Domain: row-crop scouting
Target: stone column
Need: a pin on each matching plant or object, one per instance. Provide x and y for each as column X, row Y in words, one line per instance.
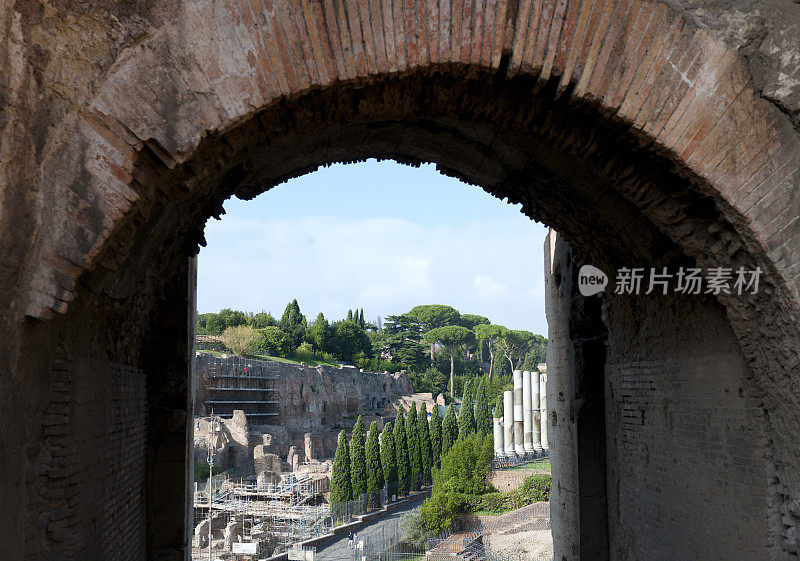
column 519, row 447
column 508, row 422
column 499, row 452
column 537, row 414
column 527, row 411
column 543, row 401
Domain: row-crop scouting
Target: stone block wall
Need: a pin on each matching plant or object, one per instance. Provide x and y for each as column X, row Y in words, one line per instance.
column 318, row 400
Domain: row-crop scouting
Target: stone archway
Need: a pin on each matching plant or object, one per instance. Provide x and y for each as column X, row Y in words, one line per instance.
column 629, row 129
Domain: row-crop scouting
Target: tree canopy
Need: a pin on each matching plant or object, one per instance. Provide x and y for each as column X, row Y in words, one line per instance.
column 452, row 338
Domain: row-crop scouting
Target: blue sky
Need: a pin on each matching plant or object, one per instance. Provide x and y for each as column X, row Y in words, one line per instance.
column 379, row 236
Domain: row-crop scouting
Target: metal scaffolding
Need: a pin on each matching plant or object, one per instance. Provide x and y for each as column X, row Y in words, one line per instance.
column 275, row 515
column 239, row 383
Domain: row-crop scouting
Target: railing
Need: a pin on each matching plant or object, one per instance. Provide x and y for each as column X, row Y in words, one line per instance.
column 514, row 461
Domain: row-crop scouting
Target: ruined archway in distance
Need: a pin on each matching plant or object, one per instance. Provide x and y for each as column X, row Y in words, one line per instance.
column 634, row 133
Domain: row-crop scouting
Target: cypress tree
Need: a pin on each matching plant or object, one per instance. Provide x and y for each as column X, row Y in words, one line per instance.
column 466, row 415
column 436, row 436
column 401, row 452
column 349, row 315
column 388, row 458
column 498, row 407
column 341, row 488
column 425, row 446
column 414, row 448
column 374, row 469
column 449, row 429
column 483, row 417
column 358, row 460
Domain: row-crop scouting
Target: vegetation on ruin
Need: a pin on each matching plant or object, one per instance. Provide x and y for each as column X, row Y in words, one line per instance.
column 439, row 348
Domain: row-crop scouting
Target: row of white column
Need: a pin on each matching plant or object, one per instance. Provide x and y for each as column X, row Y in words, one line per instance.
column 523, row 428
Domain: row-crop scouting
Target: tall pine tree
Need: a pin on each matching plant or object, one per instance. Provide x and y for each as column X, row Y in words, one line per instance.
column 341, row 487
column 483, row 417
column 389, row 459
column 414, row 448
column 358, row 460
column 449, row 429
column 401, row 452
column 436, row 436
column 426, row 451
column 374, row 469
column 466, row 415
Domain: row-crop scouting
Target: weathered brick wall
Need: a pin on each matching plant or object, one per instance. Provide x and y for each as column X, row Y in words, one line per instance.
column 686, row 436
column 90, row 464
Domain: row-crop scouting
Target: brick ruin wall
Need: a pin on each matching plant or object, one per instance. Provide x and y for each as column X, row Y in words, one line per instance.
column 319, row 400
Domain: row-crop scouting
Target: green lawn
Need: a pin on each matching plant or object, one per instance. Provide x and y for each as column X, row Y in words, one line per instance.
column 542, row 464
column 310, row 362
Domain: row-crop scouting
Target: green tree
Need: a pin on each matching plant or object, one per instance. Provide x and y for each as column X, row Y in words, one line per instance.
column 498, row 408
column 471, row 320
column 262, row 320
column 431, row 316
column 466, row 415
column 318, row 334
column 274, row 341
column 483, row 417
column 463, row 473
column 349, row 315
column 414, row 447
column 452, row 338
column 388, row 458
column 358, row 460
column 401, row 452
column 341, row 486
column 449, row 429
column 514, row 344
column 350, row 340
column 426, row 449
column 436, row 436
column 241, row 339
column 491, row 335
column 293, row 323
column 374, row 469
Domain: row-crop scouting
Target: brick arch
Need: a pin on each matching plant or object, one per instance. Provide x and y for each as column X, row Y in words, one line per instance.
column 639, row 130
column 218, row 64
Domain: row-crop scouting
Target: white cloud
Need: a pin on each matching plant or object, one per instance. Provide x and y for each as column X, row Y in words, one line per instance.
column 385, row 265
column 486, row 287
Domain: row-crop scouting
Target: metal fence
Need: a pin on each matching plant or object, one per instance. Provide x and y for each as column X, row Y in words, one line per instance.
column 346, row 512
column 506, row 462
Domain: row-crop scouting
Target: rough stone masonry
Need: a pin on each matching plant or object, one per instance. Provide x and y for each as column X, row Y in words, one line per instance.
column 646, row 133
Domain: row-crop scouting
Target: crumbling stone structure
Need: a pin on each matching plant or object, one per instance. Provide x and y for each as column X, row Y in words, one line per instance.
column 304, row 405
column 647, row 133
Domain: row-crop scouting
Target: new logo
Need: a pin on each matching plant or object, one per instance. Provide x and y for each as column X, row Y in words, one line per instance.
column 591, row 280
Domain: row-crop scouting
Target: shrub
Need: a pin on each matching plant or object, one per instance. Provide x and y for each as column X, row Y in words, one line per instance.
column 416, row 529
column 241, row 339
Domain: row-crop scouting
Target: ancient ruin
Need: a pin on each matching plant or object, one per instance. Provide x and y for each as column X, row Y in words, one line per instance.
column 297, row 406
column 520, row 432
column 647, row 133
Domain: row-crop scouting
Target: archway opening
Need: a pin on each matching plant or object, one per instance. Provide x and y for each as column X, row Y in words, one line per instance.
column 680, row 374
